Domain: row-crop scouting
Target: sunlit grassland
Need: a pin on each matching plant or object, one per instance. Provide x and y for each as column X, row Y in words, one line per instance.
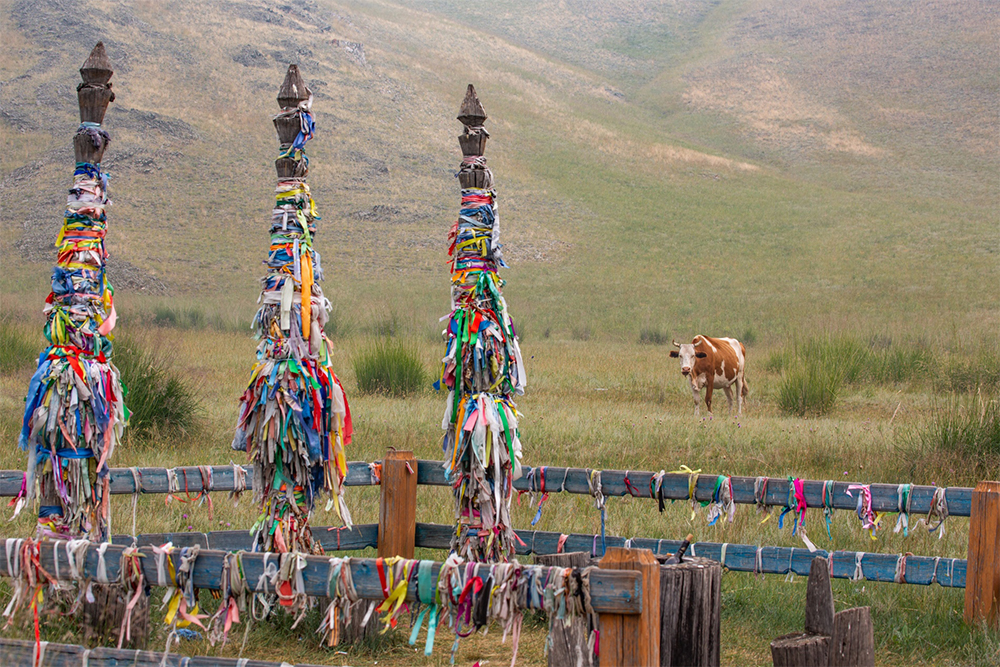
column 599, row 404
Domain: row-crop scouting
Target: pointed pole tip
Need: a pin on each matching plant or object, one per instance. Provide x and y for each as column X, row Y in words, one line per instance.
column 472, row 113
column 97, row 69
column 293, row 89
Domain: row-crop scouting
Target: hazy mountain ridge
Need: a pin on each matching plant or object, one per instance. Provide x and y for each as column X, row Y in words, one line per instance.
column 687, row 111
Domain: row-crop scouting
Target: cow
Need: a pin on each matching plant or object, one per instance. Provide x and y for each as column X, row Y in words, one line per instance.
column 713, row 363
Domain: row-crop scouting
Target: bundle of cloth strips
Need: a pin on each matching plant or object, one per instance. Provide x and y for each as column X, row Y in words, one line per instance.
column 294, row 419
column 75, row 414
column 483, row 371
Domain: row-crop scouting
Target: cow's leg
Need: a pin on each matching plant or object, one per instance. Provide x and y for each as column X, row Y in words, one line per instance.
column 729, row 397
column 708, row 397
column 739, row 395
column 697, row 399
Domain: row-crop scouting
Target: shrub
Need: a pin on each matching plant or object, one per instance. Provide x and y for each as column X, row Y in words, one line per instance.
column 809, row 388
column 160, row 402
column 389, row 367
column 967, row 426
column 17, row 352
column 651, row 336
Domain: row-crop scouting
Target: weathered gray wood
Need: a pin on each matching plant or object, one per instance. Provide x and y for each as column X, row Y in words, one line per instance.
column 568, row 645
column 819, row 599
column 612, row 591
column 94, row 94
column 690, row 613
column 101, row 620
column 800, row 650
column 19, row 653
column 853, row 642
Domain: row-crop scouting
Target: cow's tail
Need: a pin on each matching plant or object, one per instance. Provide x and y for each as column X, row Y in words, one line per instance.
column 746, row 387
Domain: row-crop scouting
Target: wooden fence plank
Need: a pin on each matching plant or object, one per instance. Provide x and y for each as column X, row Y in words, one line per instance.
column 612, row 592
column 19, row 653
column 675, row 487
column 627, row 641
column 920, row 570
column 398, row 505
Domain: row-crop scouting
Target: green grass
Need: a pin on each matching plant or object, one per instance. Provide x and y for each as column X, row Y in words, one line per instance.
column 389, row 367
column 17, row 350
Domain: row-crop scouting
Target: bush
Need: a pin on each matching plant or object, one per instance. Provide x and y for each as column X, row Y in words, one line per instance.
column 389, row 367
column 969, row 427
column 160, row 402
column 809, row 388
column 651, row 336
column 17, row 352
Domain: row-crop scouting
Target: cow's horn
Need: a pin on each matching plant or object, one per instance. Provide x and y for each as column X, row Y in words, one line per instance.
column 676, row 344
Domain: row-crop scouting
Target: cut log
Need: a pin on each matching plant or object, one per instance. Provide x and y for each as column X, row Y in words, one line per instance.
column 800, row 650
column 853, row 642
column 568, row 646
column 690, row 611
column 819, row 599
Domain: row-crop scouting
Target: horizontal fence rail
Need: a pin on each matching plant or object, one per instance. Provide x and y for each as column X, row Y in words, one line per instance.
column 885, row 497
column 14, row 652
column 612, row 591
column 920, row 570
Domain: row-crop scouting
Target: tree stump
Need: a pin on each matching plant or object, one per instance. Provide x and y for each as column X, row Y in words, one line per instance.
column 812, row 647
column 690, row 608
column 569, row 645
column 853, row 643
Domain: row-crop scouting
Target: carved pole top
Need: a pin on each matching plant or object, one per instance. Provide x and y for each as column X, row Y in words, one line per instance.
column 294, row 89
column 472, row 113
column 97, row 68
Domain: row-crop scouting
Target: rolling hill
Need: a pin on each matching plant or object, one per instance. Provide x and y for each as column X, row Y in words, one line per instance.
column 707, row 164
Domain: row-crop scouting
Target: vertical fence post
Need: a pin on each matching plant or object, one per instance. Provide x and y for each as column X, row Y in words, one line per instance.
column 982, row 581
column 630, row 641
column 397, row 519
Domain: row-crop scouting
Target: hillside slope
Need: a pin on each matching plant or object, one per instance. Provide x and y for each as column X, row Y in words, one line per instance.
column 701, row 164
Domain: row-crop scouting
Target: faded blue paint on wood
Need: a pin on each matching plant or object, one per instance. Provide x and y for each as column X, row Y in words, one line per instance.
column 675, row 487
column 17, row 653
column 612, row 591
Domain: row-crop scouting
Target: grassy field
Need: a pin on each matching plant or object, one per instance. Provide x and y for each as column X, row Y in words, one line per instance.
column 583, row 409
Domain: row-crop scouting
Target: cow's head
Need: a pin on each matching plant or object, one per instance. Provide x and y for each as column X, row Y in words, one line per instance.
column 687, row 355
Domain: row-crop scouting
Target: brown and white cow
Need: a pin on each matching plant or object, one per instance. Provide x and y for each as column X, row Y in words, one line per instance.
column 713, row 363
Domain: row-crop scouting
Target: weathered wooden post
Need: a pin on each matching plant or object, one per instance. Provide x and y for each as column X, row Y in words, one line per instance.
column 294, row 419
column 630, row 641
column 75, row 414
column 397, row 521
column 841, row 639
column 690, row 613
column 483, row 369
column 568, row 645
column 982, row 582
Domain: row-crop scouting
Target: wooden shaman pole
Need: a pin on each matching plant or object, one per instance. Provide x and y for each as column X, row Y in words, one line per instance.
column 75, row 414
column 294, row 420
column 482, row 368
column 632, row 640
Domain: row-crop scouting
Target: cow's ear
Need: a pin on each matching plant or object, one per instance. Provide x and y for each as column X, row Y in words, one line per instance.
column 673, row 353
column 701, row 355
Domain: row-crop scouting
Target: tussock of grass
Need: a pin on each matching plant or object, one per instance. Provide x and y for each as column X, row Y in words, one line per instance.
column 653, row 336
column 389, row 367
column 160, row 401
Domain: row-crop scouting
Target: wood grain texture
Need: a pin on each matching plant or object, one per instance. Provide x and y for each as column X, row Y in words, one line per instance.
column 19, row 653
column 431, row 473
column 568, row 645
column 398, row 506
column 690, row 613
column 982, row 590
column 613, row 591
column 633, row 641
column 853, row 641
column 800, row 650
column 819, row 599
